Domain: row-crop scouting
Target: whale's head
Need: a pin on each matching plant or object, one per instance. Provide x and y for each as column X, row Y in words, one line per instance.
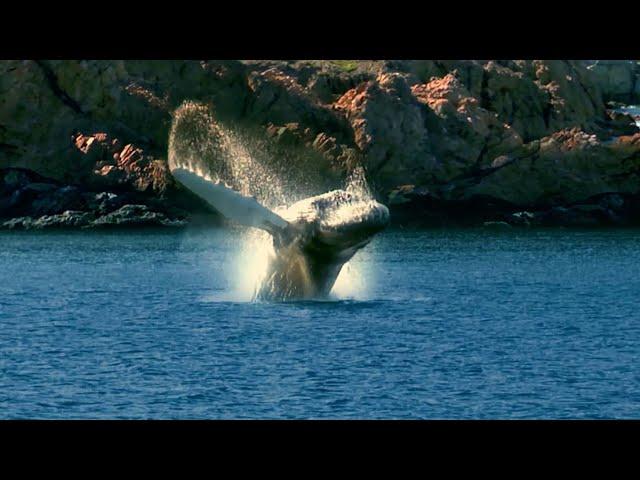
column 336, row 223
column 324, row 233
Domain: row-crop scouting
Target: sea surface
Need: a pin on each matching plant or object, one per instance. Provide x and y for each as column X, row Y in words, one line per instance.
column 453, row 324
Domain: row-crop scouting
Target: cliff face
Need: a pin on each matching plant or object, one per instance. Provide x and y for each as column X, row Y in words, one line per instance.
column 436, row 138
column 619, row 80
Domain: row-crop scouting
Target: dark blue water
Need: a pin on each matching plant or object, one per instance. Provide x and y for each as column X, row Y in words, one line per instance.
column 450, row 324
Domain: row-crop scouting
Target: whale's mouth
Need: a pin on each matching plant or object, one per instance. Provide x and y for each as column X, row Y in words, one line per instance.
column 354, row 227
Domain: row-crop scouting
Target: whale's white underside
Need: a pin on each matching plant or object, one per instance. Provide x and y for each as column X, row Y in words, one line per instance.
column 313, row 238
column 233, row 205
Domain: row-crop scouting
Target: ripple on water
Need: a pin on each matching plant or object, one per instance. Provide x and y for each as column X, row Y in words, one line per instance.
column 436, row 324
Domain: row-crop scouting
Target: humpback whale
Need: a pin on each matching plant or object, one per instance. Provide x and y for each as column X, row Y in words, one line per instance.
column 312, row 238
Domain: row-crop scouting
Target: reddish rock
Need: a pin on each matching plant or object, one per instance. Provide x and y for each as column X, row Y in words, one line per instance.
column 464, row 135
column 128, row 166
column 520, row 130
column 388, row 125
column 631, row 141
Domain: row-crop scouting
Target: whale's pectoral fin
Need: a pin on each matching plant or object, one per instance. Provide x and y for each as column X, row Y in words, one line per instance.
column 233, row 205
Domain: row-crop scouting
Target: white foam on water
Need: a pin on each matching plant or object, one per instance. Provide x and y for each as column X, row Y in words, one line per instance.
column 351, row 283
column 251, row 262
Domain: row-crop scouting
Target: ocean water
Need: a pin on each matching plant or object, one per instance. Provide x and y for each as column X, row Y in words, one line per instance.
column 423, row 324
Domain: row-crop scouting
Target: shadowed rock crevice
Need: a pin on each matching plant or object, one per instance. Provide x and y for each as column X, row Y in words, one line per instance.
column 52, row 81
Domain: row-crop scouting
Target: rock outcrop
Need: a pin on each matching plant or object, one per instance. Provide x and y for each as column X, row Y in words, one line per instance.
column 31, row 201
column 513, row 141
column 567, row 167
column 619, row 80
column 136, row 215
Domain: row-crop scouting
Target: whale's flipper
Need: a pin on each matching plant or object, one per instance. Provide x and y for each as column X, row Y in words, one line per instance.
column 233, row 205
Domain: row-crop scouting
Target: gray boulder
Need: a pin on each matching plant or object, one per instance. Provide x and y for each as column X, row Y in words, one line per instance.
column 136, row 215
column 67, row 219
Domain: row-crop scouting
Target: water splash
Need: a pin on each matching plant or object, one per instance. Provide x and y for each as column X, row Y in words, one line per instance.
column 352, row 283
column 252, row 260
column 222, row 153
column 256, row 252
column 357, row 184
column 200, row 144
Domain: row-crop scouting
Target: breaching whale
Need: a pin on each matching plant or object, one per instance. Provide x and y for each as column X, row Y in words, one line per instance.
column 313, row 238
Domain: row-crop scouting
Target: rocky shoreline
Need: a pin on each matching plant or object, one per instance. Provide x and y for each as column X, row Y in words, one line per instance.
column 31, row 202
column 83, row 144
